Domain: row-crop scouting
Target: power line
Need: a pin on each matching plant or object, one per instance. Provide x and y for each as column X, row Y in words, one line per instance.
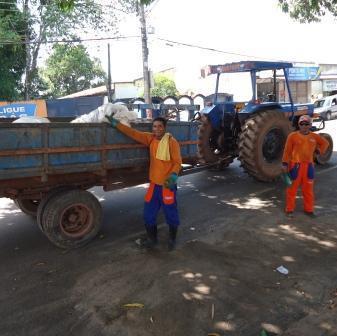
column 207, row 48
column 112, row 7
column 223, row 51
column 8, row 4
column 9, row 10
column 68, row 41
column 153, row 5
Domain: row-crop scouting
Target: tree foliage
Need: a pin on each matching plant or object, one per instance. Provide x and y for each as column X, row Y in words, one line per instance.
column 67, row 5
column 42, row 21
column 69, row 69
column 308, row 10
column 12, row 56
column 163, row 86
column 47, row 22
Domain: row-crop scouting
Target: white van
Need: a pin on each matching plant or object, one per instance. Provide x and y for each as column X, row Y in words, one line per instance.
column 326, row 107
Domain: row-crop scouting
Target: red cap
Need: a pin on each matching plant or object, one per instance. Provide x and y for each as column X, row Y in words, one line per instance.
column 305, row 118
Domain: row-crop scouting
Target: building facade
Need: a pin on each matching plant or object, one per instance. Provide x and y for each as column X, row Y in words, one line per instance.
column 307, row 83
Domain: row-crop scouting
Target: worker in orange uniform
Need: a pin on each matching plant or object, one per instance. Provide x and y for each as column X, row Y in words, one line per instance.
column 165, row 165
column 297, row 161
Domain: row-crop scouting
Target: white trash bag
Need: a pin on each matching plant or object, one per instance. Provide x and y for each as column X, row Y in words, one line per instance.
column 118, row 111
column 31, row 120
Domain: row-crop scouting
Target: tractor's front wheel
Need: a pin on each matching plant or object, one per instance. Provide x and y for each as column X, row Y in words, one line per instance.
column 261, row 144
column 324, row 158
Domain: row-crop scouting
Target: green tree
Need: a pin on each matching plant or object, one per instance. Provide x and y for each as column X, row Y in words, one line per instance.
column 45, row 21
column 12, row 55
column 67, row 5
column 38, row 85
column 308, row 10
column 69, row 69
column 163, row 86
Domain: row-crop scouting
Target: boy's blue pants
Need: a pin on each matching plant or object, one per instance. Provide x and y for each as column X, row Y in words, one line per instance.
column 157, row 196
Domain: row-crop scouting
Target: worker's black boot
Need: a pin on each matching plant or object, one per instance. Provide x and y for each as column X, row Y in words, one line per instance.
column 151, row 241
column 172, row 238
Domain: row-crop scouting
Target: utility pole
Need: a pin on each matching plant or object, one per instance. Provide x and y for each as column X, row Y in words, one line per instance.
column 27, row 46
column 145, row 54
column 109, row 77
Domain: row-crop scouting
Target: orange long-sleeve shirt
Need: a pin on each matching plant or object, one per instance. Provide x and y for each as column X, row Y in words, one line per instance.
column 159, row 170
column 301, row 148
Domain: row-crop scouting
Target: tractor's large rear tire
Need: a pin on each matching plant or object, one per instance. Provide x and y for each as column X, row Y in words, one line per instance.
column 324, row 158
column 71, row 218
column 28, row 206
column 210, row 143
column 261, row 144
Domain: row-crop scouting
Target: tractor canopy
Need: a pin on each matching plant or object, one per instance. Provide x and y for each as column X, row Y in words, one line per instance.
column 244, row 66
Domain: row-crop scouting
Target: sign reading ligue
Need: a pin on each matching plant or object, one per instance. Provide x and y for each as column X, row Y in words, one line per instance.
column 17, row 110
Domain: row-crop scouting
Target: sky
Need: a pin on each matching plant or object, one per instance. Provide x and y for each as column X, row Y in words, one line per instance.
column 237, row 29
column 255, row 30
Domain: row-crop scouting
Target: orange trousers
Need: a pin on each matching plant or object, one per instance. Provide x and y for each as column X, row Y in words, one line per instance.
column 304, row 178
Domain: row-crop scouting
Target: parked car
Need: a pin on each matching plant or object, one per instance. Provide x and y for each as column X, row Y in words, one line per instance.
column 326, row 107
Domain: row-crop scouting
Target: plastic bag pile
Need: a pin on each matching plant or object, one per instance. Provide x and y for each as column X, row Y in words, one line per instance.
column 118, row 111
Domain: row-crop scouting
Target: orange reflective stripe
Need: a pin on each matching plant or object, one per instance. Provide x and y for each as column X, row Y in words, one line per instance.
column 168, row 196
column 149, row 193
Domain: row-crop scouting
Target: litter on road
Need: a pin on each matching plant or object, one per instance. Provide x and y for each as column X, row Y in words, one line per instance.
column 281, row 269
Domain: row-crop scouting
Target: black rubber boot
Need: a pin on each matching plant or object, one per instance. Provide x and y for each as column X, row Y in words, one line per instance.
column 172, row 238
column 151, row 240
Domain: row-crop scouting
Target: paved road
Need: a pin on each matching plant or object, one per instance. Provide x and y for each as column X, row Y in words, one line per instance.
column 36, row 277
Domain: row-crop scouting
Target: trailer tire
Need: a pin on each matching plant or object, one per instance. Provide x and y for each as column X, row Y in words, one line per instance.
column 42, row 205
column 71, row 218
column 28, row 206
column 206, row 151
column 261, row 144
column 324, row 158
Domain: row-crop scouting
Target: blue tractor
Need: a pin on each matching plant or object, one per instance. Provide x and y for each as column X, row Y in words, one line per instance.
column 253, row 131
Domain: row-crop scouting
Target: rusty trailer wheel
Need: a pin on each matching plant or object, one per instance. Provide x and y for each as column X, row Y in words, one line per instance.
column 71, row 218
column 44, row 201
column 76, row 220
column 28, row 206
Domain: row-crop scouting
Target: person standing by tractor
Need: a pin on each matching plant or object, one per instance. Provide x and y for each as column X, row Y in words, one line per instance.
column 165, row 165
column 297, row 161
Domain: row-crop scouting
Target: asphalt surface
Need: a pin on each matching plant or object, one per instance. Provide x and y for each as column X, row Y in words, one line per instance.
column 36, row 277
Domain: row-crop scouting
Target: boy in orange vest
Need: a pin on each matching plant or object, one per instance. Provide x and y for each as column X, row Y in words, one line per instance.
column 165, row 165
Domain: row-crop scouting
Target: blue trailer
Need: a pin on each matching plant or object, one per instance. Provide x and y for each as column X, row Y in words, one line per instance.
column 48, row 168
